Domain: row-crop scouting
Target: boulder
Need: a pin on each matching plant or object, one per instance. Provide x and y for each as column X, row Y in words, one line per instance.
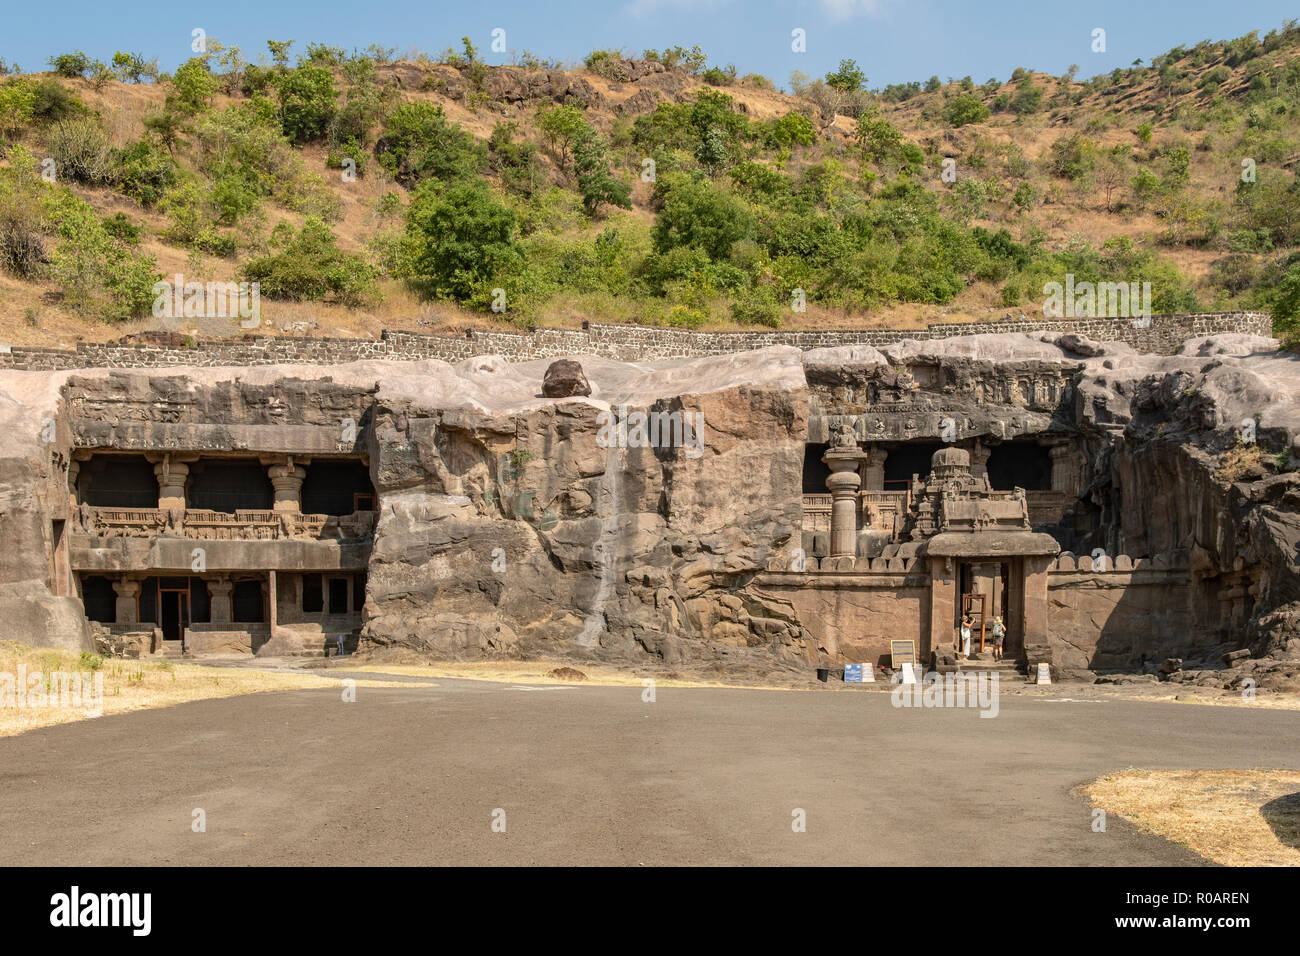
column 564, row 379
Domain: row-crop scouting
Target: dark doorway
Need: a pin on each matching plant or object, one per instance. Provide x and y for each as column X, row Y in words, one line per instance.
column 338, row 595
column 1020, row 464
column 99, row 598
column 230, row 486
column 815, row 471
column 118, row 481
column 334, row 487
column 905, row 461
column 312, row 600
column 174, row 612
column 246, row 602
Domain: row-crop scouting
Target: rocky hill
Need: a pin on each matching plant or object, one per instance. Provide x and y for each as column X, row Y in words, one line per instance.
column 362, row 193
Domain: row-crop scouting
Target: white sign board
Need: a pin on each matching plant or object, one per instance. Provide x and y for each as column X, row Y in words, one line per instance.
column 1044, row 673
column 908, row 676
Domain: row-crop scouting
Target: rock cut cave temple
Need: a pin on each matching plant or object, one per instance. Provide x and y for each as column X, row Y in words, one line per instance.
column 216, row 552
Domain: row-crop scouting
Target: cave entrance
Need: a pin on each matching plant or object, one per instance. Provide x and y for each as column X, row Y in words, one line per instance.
column 984, row 594
column 1020, row 464
column 907, row 460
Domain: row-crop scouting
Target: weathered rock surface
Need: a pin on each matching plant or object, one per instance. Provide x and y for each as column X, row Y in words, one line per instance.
column 565, row 379
column 513, row 523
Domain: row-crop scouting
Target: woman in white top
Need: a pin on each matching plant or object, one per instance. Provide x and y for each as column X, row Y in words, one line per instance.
column 965, row 636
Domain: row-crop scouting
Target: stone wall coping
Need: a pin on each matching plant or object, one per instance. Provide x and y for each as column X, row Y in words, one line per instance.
column 1165, row 334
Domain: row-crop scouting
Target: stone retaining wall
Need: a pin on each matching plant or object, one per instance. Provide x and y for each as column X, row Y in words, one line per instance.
column 1163, row 335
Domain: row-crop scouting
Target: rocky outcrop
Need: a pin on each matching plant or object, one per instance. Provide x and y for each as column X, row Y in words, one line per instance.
column 552, row 527
column 631, row 519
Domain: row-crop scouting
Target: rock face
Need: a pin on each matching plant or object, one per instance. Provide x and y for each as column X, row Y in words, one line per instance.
column 625, row 512
column 565, row 379
column 546, row 528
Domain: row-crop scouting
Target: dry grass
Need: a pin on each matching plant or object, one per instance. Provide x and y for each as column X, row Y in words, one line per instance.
column 538, row 672
column 141, row 685
column 1230, row 817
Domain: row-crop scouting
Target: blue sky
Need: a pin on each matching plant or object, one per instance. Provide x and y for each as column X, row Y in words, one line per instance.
column 892, row 40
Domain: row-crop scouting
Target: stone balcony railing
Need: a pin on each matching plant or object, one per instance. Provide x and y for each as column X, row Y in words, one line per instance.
column 878, row 510
column 223, row 526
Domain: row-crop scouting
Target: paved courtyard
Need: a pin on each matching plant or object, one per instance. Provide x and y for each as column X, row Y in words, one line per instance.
column 593, row 775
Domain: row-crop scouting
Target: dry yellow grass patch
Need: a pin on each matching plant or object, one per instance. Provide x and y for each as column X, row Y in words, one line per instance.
column 130, row 685
column 538, row 672
column 1231, row 817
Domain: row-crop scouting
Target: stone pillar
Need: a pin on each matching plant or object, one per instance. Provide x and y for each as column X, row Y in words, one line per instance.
column 172, row 476
column 843, row 483
column 943, row 607
column 873, row 468
column 287, row 481
column 74, row 469
column 219, row 597
column 271, row 599
column 126, row 611
column 1064, row 469
column 979, row 461
column 1038, row 648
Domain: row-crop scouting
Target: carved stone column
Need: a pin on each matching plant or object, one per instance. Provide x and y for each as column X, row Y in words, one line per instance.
column 171, row 475
column 287, row 481
column 126, row 610
column 219, row 598
column 873, row 468
column 1064, row 469
column 979, row 460
column 843, row 483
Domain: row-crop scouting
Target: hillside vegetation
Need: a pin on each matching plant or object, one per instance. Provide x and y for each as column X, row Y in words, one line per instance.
column 362, row 190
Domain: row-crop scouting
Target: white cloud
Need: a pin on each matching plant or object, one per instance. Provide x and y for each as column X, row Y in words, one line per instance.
column 848, row 9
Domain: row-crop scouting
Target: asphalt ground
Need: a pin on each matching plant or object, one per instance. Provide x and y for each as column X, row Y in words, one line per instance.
column 408, row 775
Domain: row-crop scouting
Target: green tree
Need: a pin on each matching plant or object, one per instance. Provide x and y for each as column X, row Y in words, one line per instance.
column 596, row 183
column 194, row 86
column 419, row 143
column 307, row 102
column 963, row 110
column 17, row 105
column 309, row 266
column 562, row 126
column 697, row 214
column 459, row 238
column 848, row 78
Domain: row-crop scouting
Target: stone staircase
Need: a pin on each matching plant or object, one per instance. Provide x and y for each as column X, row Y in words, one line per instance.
column 1006, row 669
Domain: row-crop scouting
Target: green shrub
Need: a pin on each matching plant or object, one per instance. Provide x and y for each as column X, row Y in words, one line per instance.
column 69, row 65
column 91, row 662
column 460, row 238
column 757, row 307
column 23, row 228
column 965, row 109
column 696, row 213
column 54, row 103
column 307, row 102
column 96, row 270
column 144, row 172
column 17, row 106
column 309, row 266
column 792, row 129
column 80, row 150
column 420, row 143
